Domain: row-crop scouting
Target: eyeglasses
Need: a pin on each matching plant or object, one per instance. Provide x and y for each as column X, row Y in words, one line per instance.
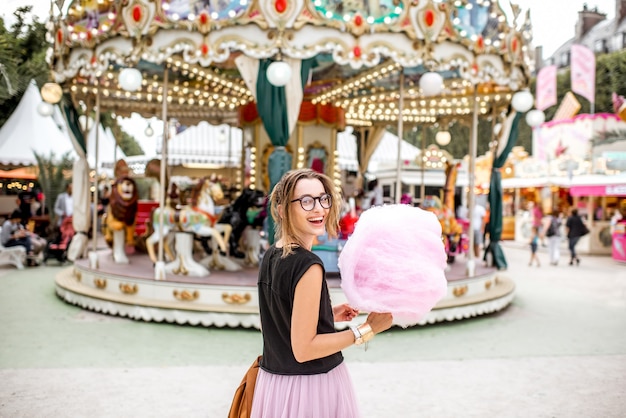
column 308, row 202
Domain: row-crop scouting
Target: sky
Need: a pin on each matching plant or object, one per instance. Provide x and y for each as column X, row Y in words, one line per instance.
column 553, row 21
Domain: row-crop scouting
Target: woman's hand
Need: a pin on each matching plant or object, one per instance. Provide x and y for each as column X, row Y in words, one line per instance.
column 379, row 321
column 344, row 312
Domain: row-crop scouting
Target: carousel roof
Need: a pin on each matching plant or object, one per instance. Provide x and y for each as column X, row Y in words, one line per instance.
column 356, row 50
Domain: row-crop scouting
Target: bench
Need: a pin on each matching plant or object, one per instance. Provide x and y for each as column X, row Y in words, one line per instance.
column 12, row 255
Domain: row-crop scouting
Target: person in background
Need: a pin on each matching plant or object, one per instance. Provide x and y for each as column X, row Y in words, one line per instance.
column 462, row 212
column 302, row 372
column 105, row 197
column 477, row 225
column 25, row 200
column 64, row 205
column 534, row 243
column 537, row 214
column 553, row 232
column 374, row 195
column 14, row 234
column 575, row 229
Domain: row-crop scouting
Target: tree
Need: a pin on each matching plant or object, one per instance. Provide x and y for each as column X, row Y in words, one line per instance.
column 22, row 56
column 23, row 49
column 52, row 177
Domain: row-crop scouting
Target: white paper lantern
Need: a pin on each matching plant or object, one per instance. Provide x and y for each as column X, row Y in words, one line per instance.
column 45, row 109
column 522, row 101
column 443, row 138
column 130, row 79
column 535, row 118
column 279, row 73
column 51, row 93
column 431, row 83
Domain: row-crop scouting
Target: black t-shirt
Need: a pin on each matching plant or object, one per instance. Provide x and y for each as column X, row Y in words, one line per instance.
column 278, row 278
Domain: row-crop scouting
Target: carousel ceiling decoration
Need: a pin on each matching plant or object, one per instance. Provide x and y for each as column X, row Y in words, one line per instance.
column 358, row 49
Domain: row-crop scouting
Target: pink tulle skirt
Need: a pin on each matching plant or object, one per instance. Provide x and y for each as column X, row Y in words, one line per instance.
column 328, row 395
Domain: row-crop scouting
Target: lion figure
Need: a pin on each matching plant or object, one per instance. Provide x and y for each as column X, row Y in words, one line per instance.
column 120, row 217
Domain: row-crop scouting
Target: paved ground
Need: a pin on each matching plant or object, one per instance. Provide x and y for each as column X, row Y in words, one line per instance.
column 558, row 351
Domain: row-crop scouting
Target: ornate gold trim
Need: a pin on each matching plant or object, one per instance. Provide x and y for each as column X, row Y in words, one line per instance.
column 488, row 284
column 186, row 295
column 459, row 291
column 129, row 289
column 236, row 298
column 100, row 283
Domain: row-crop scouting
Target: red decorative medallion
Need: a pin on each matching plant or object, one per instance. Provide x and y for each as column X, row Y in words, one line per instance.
column 429, row 18
column 358, row 20
column 204, row 49
column 137, row 13
column 89, row 35
column 514, row 45
column 480, row 42
column 59, row 36
column 204, row 18
column 357, row 52
column 93, row 60
column 280, row 6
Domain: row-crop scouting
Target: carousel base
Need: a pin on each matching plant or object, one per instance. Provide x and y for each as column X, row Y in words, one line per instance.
column 229, row 299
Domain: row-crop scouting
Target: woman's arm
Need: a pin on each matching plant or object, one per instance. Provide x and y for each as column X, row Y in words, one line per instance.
column 306, row 343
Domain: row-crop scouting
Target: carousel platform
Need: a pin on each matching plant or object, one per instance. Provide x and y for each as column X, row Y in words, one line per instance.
column 229, row 299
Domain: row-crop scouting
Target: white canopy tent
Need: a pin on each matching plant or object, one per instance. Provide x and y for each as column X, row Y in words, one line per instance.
column 108, row 150
column 27, row 132
column 200, row 146
column 384, row 157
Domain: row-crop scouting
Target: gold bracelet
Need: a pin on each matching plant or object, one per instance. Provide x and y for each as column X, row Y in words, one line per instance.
column 366, row 331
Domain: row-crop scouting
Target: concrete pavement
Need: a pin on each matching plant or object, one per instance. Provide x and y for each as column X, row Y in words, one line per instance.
column 558, row 351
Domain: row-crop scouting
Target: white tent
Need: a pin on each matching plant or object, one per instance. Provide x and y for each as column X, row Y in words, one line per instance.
column 385, row 155
column 203, row 144
column 108, row 150
column 27, row 131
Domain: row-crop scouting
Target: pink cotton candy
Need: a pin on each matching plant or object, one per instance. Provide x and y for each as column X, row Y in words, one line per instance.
column 395, row 262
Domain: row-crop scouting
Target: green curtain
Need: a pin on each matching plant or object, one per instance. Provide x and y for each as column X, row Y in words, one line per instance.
column 273, row 111
column 71, row 118
column 495, row 199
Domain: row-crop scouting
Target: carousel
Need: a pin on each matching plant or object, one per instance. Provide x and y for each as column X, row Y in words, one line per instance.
column 291, row 74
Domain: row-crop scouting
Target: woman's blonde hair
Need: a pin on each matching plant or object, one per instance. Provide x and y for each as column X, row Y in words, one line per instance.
column 283, row 195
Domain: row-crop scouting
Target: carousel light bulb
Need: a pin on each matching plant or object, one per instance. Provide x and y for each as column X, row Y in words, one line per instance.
column 522, row 101
column 431, row 83
column 535, row 118
column 278, row 73
column 130, row 79
column 51, row 93
column 443, row 138
column 45, row 109
column 149, row 131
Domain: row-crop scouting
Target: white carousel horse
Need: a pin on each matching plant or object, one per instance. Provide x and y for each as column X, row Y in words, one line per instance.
column 198, row 218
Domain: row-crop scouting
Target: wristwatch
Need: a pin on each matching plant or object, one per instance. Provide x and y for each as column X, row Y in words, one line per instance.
column 358, row 338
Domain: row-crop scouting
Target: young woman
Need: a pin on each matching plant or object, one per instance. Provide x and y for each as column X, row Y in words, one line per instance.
column 302, row 372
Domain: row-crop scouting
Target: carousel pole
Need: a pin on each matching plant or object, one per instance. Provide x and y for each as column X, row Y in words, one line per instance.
column 159, row 267
column 94, row 211
column 400, row 135
column 423, row 185
column 471, row 263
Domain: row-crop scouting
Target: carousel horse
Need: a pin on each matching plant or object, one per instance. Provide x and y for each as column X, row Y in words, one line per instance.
column 245, row 216
column 198, row 218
